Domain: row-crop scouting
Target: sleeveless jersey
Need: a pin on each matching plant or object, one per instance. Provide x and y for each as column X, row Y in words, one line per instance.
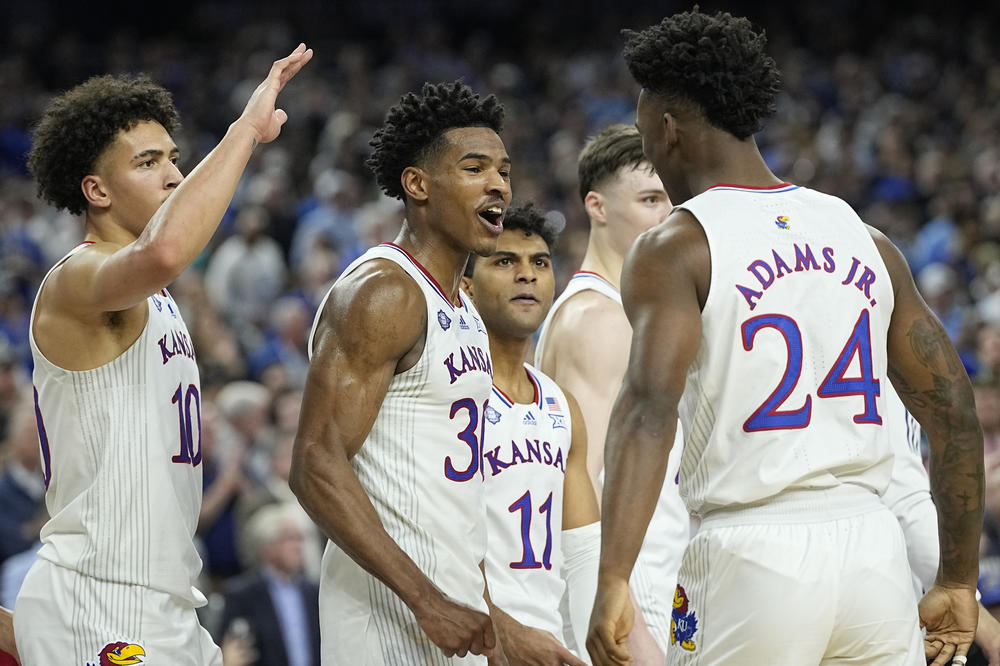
column 421, row 467
column 121, row 454
column 655, row 572
column 524, row 460
column 785, row 391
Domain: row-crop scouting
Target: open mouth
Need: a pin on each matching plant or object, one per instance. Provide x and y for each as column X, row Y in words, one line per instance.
column 492, row 217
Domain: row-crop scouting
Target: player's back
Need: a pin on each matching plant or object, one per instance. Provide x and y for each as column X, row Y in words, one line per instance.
column 121, row 454
column 784, row 393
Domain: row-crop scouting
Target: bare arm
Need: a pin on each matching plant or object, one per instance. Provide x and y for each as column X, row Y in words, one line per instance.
column 115, row 278
column 931, row 381
column 373, row 321
column 587, row 355
column 666, row 325
column 579, row 500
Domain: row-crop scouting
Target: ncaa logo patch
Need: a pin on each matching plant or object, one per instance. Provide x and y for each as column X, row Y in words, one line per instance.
column 492, row 415
column 120, row 654
column 683, row 622
column 444, row 320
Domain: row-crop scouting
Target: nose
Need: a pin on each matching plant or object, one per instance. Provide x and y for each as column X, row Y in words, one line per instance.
column 526, row 273
column 497, row 184
column 174, row 176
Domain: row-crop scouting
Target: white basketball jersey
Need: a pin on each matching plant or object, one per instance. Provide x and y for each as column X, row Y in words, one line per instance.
column 524, row 460
column 669, row 530
column 421, row 466
column 121, row 454
column 786, row 390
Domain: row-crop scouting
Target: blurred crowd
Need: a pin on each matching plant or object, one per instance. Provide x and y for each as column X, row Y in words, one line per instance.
column 898, row 113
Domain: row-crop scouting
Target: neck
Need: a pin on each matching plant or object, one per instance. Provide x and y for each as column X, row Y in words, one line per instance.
column 604, row 260
column 508, row 356
column 101, row 227
column 445, row 263
column 726, row 159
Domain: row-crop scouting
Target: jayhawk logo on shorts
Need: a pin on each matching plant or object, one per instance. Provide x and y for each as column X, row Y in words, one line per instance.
column 683, row 623
column 121, row 654
column 782, row 222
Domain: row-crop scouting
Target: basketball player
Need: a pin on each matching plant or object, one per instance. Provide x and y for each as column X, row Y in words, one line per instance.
column 777, row 315
column 387, row 458
column 542, row 519
column 116, row 384
column 584, row 345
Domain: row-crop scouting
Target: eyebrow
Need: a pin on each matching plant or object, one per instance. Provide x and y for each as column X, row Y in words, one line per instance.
column 508, row 253
column 483, row 157
column 154, row 152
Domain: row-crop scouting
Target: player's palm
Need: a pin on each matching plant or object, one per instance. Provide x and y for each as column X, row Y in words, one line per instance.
column 259, row 111
column 528, row 646
column 456, row 629
column 950, row 616
column 610, row 625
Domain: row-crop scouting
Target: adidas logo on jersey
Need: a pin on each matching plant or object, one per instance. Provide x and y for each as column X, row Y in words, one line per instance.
column 529, row 419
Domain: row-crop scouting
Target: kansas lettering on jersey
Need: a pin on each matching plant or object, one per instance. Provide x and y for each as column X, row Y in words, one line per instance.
column 421, row 466
column 524, row 457
column 785, row 392
column 121, row 454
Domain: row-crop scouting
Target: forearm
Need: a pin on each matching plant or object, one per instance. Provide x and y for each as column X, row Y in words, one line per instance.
column 639, row 441
column 183, row 225
column 334, row 498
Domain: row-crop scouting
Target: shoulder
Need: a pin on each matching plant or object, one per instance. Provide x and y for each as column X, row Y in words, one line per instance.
column 672, row 253
column 378, row 293
column 244, row 587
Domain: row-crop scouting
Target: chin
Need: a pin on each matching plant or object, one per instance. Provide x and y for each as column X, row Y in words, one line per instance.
column 486, row 248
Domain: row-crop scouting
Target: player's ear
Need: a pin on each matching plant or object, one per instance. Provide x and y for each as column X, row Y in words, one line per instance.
column 95, row 192
column 414, row 182
column 594, row 204
column 467, row 286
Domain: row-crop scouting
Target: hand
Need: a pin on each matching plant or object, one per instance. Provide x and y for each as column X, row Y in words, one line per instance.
column 950, row 615
column 458, row 630
column 528, row 646
column 260, row 112
column 610, row 624
column 238, row 650
column 988, row 636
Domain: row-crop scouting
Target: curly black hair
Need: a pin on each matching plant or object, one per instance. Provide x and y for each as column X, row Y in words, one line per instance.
column 413, row 128
column 81, row 123
column 526, row 217
column 714, row 62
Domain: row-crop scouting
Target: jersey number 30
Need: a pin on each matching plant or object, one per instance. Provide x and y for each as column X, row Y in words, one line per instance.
column 770, row 416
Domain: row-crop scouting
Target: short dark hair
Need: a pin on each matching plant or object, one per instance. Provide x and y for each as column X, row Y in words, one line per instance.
column 526, row 217
column 716, row 63
column 414, row 127
column 81, row 123
column 614, row 148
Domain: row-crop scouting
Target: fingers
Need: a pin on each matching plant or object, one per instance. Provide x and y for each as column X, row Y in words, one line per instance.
column 604, row 649
column 283, row 70
column 567, row 658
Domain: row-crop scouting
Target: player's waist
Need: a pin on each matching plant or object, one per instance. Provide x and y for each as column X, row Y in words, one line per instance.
column 809, row 505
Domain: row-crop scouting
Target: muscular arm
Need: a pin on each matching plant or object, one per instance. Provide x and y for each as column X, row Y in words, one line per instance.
column 587, row 355
column 931, row 381
column 666, row 325
column 372, row 327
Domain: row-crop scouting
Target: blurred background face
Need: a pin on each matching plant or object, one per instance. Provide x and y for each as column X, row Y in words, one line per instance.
column 285, row 552
column 634, row 201
column 513, row 289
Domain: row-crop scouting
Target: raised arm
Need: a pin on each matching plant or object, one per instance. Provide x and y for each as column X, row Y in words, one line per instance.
column 112, row 277
column 372, row 327
column 931, row 381
column 666, row 325
column 590, row 365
